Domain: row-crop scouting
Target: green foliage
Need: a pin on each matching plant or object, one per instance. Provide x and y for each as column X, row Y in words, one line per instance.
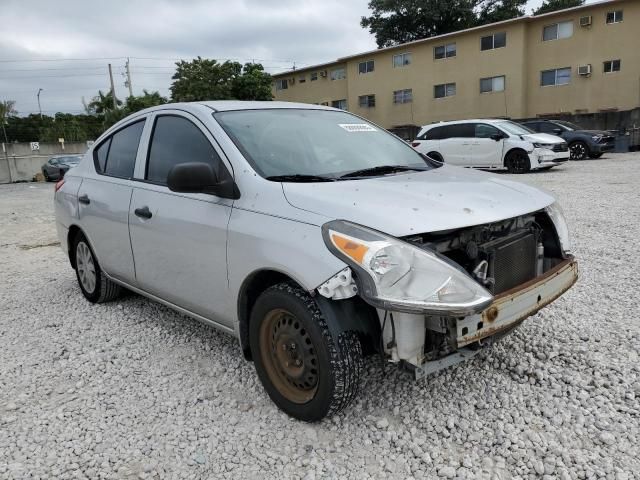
column 253, row 84
column 553, row 5
column 7, row 110
column 102, row 103
column 204, row 79
column 400, row 21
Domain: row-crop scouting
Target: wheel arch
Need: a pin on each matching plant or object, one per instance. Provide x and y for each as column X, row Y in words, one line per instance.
column 341, row 315
column 74, row 230
column 510, row 152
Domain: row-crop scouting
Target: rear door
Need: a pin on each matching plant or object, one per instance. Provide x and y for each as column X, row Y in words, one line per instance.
column 179, row 239
column 486, row 152
column 455, row 144
column 103, row 200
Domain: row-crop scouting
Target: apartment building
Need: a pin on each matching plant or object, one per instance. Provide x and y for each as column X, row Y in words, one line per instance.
column 579, row 60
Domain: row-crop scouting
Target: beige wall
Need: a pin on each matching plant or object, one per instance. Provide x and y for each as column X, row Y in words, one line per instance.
column 521, row 62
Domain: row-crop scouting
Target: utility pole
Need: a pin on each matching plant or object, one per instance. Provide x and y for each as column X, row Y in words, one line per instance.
column 39, row 107
column 128, row 82
column 113, row 89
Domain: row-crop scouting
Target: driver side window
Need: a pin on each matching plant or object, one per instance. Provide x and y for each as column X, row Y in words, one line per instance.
column 176, row 140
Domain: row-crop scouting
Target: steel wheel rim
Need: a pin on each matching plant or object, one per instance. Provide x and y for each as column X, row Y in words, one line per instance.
column 289, row 356
column 86, row 267
column 578, row 151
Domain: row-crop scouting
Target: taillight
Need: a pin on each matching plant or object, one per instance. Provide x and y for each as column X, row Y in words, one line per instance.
column 415, row 144
column 59, row 184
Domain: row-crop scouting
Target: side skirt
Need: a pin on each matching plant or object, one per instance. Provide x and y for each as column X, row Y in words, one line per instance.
column 175, row 307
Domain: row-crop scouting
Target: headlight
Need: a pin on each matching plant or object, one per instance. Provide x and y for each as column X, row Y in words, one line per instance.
column 560, row 223
column 395, row 275
column 543, row 145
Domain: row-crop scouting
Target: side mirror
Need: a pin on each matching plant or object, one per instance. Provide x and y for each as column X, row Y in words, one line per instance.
column 557, row 131
column 199, row 177
column 497, row 137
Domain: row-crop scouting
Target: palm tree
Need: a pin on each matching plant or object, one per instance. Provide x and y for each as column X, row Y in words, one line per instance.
column 102, row 103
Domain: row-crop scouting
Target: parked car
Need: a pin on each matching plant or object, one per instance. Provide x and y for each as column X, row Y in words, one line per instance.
column 491, row 144
column 57, row 166
column 313, row 236
column 582, row 143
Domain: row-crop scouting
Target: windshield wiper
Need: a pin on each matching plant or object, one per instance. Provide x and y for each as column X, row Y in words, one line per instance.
column 300, row 178
column 380, row 170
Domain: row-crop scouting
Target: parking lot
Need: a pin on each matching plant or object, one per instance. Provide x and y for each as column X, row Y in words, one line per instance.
column 131, row 389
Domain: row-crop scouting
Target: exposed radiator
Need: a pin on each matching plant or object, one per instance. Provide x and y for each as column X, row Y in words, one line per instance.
column 512, row 260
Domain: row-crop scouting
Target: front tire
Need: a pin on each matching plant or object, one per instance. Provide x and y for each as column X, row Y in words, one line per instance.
column 517, row 162
column 95, row 285
column 435, row 156
column 309, row 370
column 578, row 151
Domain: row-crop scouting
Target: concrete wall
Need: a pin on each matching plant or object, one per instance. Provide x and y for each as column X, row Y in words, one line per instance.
column 521, row 62
column 18, row 162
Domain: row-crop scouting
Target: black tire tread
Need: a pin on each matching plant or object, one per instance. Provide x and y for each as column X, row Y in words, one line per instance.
column 347, row 360
column 108, row 290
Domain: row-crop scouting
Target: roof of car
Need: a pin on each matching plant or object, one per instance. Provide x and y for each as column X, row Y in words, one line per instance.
column 227, row 105
column 471, row 120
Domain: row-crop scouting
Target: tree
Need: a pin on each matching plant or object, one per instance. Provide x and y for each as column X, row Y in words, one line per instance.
column 102, row 103
column 553, row 5
column 203, row 79
column 7, row 110
column 253, row 84
column 491, row 11
column 400, row 21
column 146, row 100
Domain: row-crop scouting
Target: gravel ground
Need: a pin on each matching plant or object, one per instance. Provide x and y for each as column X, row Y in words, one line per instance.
column 131, row 389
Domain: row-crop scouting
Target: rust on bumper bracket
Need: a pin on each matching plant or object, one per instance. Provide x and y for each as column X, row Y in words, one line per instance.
column 513, row 306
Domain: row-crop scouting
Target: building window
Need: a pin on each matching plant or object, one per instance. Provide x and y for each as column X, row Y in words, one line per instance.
column 367, row 101
column 302, row 79
column 444, row 90
column 444, row 51
column 403, row 96
column 557, row 31
column 282, row 84
column 401, row 60
column 611, row 66
column 338, row 74
column 492, row 84
column 341, row 104
column 314, row 76
column 366, row 67
column 614, row 17
column 558, row 76
column 497, row 40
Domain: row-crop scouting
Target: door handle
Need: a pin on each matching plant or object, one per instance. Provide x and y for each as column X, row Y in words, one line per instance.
column 143, row 212
column 84, row 198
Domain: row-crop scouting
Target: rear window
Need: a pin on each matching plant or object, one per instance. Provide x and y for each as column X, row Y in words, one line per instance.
column 116, row 156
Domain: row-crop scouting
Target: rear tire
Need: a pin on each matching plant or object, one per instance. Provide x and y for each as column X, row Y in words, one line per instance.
column 95, row 285
column 309, row 370
column 578, row 150
column 45, row 175
column 435, row 156
column 517, row 161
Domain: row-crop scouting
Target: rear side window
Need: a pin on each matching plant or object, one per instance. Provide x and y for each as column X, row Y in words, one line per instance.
column 176, row 140
column 461, row 130
column 116, row 156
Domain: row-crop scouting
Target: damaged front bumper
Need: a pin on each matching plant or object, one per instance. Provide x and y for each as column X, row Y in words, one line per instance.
column 506, row 312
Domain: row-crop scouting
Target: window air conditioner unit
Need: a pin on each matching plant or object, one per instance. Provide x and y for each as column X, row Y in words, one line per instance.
column 584, row 70
column 586, row 21
column 323, row 73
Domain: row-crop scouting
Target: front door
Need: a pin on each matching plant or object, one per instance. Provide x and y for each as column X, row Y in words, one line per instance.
column 486, row 151
column 178, row 239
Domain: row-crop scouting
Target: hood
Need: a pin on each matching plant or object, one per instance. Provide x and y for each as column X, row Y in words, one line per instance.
column 441, row 199
column 542, row 138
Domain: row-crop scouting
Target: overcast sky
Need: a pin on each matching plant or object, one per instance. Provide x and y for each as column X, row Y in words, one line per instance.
column 36, row 34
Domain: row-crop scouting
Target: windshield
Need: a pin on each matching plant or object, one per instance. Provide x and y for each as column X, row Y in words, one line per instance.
column 321, row 143
column 568, row 125
column 514, row 128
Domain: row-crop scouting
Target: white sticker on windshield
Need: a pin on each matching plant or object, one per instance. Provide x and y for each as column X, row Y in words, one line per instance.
column 357, row 127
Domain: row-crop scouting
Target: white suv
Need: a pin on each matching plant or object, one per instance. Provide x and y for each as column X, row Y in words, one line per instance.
column 491, row 144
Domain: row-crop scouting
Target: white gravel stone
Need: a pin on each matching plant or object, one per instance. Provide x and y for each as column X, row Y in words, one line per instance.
column 131, row 389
